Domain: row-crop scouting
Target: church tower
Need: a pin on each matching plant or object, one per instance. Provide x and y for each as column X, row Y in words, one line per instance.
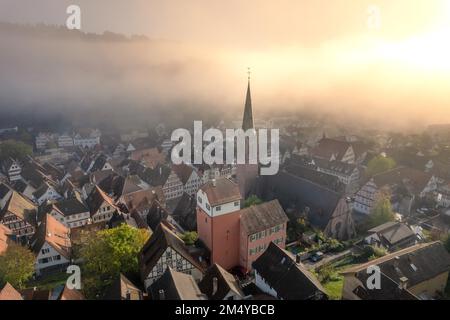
column 247, row 173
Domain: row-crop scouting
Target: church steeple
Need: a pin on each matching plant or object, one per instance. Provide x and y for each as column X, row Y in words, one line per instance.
column 247, row 122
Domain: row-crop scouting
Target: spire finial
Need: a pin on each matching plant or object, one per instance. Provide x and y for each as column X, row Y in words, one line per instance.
column 249, row 72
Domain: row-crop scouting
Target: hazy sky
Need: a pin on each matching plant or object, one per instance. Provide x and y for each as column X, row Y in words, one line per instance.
column 234, row 22
column 302, row 52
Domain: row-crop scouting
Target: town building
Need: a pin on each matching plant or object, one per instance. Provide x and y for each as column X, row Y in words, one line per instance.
column 218, row 284
column 70, row 212
column 101, row 206
column 403, row 184
column 165, row 249
column 123, row 289
column 174, row 285
column 218, row 219
column 19, row 215
column 417, row 272
column 392, row 236
column 260, row 225
column 12, row 169
column 235, row 236
column 52, row 246
column 247, row 173
column 278, row 274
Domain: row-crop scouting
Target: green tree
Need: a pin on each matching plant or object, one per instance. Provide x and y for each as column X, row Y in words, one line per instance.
column 379, row 164
column 381, row 212
column 14, row 149
column 108, row 253
column 252, row 201
column 189, row 237
column 16, row 266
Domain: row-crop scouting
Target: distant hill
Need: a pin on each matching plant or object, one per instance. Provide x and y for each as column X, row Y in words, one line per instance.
column 43, row 30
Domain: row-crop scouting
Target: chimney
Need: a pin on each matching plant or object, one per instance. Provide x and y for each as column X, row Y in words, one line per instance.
column 162, row 295
column 396, row 261
column 215, row 285
column 297, row 259
column 403, row 283
column 214, row 182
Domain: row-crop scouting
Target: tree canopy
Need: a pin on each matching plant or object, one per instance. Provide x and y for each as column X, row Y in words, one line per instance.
column 252, row 201
column 14, row 149
column 190, row 237
column 380, row 164
column 108, row 253
column 381, row 212
column 16, row 266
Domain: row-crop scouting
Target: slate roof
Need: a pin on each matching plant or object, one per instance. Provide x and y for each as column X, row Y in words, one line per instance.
column 117, row 186
column 176, row 286
column 393, row 232
column 156, row 214
column 320, row 178
column 4, row 189
column 70, row 207
column 389, row 289
column 417, row 263
column 327, row 147
column 262, row 217
column 226, row 282
column 41, row 190
column 161, row 239
column 290, row 280
column 319, row 201
column 223, row 191
column 96, row 199
column 18, row 185
column 186, row 211
column 415, row 179
column 183, row 171
column 155, row 177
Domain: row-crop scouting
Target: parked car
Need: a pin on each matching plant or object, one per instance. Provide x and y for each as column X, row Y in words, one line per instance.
column 317, row 256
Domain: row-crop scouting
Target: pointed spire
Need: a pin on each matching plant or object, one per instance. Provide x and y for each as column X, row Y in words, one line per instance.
column 247, row 122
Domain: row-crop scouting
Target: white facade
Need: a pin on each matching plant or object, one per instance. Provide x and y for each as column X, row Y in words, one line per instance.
column 43, row 139
column 173, row 188
column 171, row 258
column 218, row 210
column 49, row 195
column 264, row 286
column 65, row 140
column 49, row 257
column 13, row 171
column 73, row 220
column 104, row 213
column 193, row 184
column 365, row 197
